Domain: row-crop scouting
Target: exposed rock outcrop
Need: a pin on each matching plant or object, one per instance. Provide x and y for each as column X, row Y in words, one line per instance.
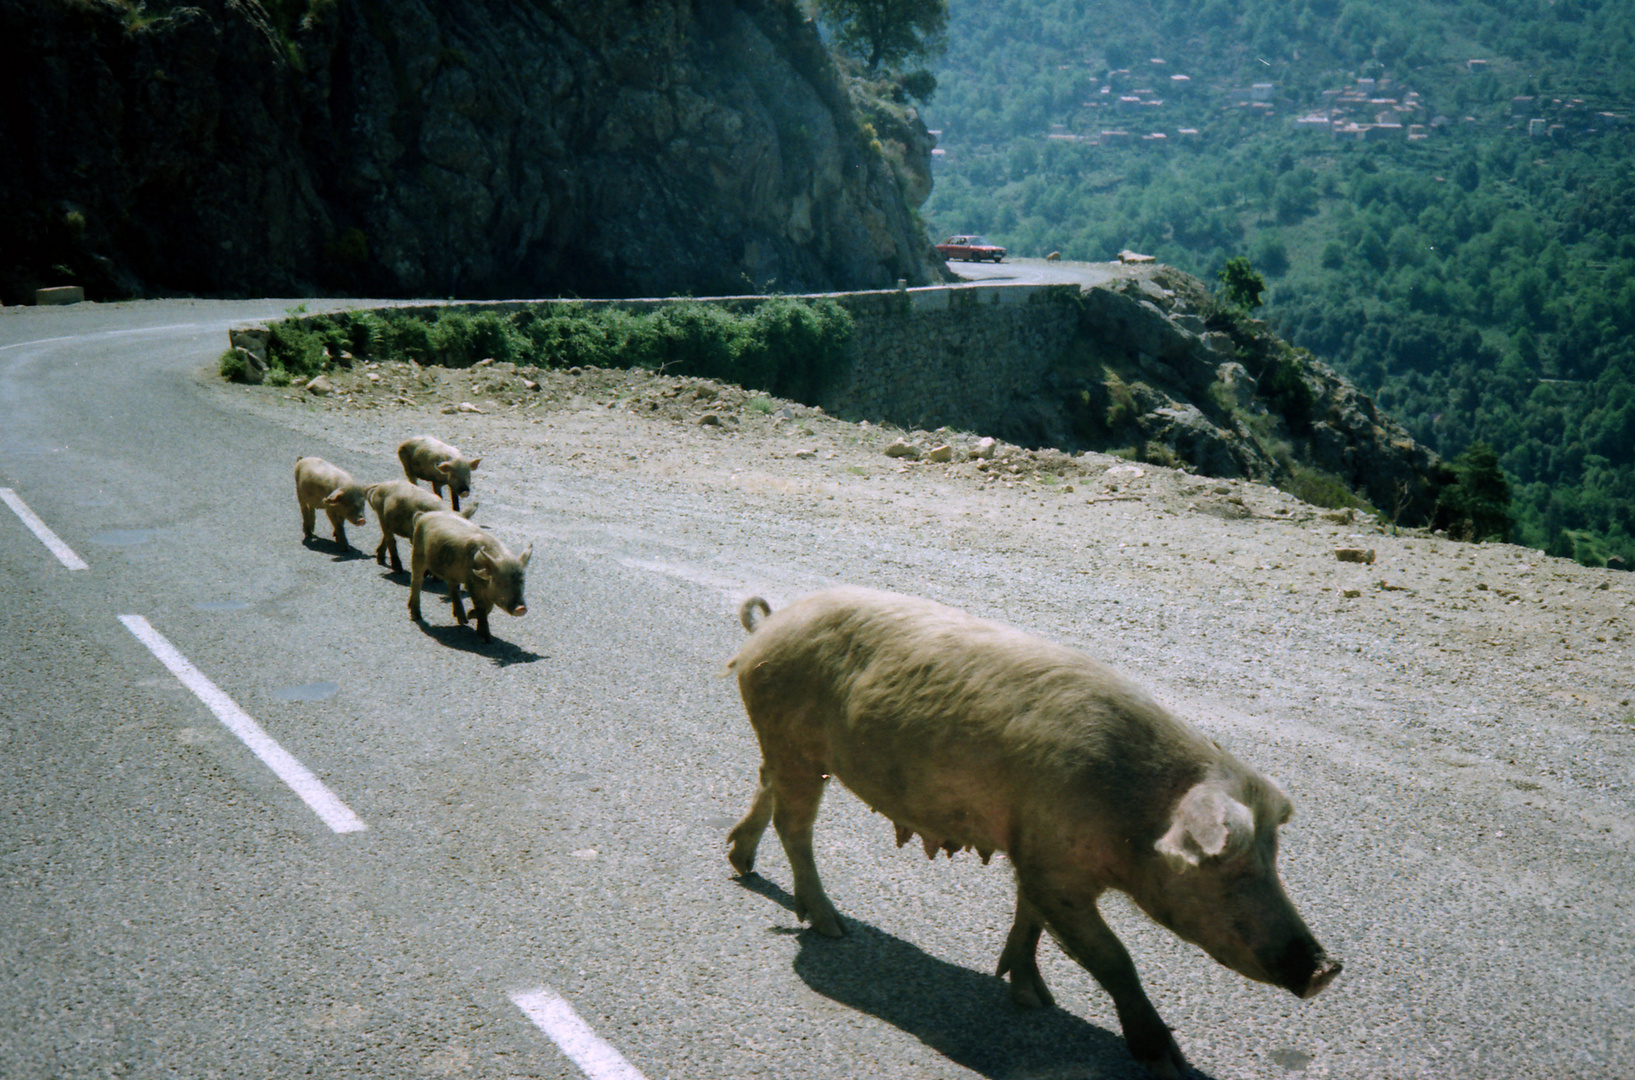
column 428, row 147
column 1190, row 382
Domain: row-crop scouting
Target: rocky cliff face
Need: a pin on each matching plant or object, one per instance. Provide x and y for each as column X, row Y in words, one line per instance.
column 1162, row 367
column 433, row 147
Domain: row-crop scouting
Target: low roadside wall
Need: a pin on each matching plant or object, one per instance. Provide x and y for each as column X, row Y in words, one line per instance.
column 963, row 356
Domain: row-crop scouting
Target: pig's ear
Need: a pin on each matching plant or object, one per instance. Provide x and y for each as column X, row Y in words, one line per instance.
column 526, row 555
column 445, row 467
column 334, row 497
column 476, row 461
column 1208, row 824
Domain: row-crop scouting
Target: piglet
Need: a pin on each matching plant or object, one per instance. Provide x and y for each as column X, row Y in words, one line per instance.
column 318, row 483
column 398, row 504
column 452, row 548
column 426, row 458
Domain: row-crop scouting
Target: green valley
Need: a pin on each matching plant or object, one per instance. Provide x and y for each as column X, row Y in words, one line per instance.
column 1441, row 199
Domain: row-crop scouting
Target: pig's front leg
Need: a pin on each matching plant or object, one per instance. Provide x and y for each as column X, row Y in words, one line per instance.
column 454, row 602
column 337, row 518
column 481, row 613
column 1078, row 928
column 388, row 545
column 417, row 569
column 1020, row 960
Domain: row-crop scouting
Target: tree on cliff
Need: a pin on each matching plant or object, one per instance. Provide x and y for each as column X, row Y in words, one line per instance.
column 887, row 31
column 1476, row 506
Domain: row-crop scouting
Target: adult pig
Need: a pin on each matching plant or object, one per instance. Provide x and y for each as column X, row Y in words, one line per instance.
column 426, row 458
column 460, row 553
column 398, row 504
column 975, row 735
column 320, row 484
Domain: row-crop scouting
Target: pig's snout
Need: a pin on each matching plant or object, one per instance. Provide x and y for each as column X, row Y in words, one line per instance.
column 1305, row 969
column 1326, row 971
column 519, row 610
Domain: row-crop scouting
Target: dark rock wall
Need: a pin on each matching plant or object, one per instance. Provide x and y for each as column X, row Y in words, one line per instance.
column 433, row 147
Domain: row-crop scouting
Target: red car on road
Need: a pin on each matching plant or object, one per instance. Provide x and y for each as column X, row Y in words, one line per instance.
column 970, row 249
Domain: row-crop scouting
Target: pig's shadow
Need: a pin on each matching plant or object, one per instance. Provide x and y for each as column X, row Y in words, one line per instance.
column 966, row 1016
column 465, row 638
column 334, row 550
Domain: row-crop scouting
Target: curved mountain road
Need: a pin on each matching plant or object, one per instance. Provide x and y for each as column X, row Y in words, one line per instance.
column 533, row 863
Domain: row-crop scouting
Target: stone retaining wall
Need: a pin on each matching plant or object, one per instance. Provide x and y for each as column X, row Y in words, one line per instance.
column 963, row 356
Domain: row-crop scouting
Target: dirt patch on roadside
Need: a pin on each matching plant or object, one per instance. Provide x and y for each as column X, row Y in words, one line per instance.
column 1457, row 615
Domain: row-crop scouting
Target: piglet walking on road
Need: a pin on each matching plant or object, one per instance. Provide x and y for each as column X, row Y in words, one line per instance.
column 426, row 458
column 460, row 553
column 398, row 504
column 320, row 484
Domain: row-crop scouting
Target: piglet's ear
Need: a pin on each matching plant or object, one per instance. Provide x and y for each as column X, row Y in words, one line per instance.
column 476, row 461
column 526, row 555
column 1208, row 823
column 334, row 497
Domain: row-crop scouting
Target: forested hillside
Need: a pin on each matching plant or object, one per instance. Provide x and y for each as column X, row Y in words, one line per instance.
column 1440, row 195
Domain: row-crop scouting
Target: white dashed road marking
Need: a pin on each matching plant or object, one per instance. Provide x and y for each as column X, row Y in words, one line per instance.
column 556, row 1018
column 62, row 551
column 312, row 791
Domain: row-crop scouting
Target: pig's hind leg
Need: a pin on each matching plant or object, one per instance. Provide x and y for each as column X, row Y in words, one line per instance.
column 795, row 798
column 789, row 795
column 745, row 837
column 1020, row 960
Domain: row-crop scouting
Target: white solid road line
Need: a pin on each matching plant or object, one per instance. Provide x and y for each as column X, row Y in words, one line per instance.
column 62, row 551
column 556, row 1018
column 336, row 814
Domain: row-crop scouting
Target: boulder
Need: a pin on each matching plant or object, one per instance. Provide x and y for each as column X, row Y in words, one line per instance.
column 901, row 448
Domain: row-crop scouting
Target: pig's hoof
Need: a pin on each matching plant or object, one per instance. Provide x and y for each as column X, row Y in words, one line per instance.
column 826, row 923
column 1164, row 1062
column 1031, row 993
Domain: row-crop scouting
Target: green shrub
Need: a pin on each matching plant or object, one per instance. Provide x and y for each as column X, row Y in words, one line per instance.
column 296, row 347
column 232, row 366
column 1320, row 488
column 786, row 346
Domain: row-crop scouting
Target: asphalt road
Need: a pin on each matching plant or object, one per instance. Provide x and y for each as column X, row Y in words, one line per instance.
column 1033, row 272
column 543, row 819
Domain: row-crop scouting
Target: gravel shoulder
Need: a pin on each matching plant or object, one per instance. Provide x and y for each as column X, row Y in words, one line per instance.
column 1454, row 720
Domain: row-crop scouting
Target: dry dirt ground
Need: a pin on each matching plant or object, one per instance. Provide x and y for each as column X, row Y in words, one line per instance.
column 1458, row 714
column 1454, row 614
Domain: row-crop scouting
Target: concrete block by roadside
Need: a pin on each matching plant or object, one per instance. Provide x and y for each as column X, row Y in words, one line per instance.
column 61, row 294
